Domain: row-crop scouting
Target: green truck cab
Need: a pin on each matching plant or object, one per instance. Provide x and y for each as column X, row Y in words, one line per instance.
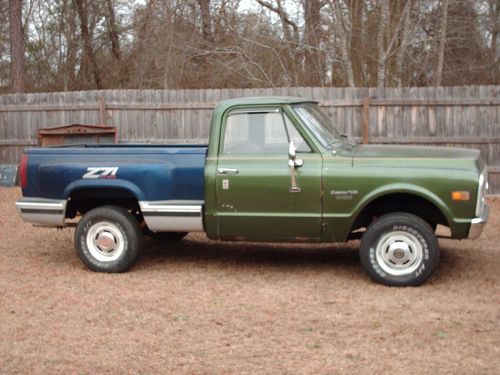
column 277, row 170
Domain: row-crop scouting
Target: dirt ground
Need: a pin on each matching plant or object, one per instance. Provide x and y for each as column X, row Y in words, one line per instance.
column 201, row 307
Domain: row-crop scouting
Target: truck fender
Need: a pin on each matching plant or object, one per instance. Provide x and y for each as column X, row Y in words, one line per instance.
column 104, row 184
column 406, row 189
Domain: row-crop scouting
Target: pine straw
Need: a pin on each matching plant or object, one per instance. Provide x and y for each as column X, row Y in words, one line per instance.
column 226, row 308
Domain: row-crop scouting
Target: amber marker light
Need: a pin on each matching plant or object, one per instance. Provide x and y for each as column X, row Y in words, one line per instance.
column 460, row 195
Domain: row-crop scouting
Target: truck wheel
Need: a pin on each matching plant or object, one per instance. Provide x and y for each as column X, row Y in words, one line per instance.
column 399, row 249
column 108, row 239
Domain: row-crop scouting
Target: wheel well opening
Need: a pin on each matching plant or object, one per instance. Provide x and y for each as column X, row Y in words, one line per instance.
column 400, row 202
column 83, row 200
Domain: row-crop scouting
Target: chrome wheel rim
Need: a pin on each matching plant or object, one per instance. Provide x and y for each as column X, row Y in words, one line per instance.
column 399, row 253
column 105, row 242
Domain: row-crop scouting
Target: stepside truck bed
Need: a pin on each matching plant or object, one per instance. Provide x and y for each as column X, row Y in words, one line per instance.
column 167, row 181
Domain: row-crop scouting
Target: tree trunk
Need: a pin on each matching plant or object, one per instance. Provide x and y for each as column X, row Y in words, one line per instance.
column 113, row 31
column 341, row 32
column 314, row 58
column 71, row 51
column 81, row 8
column 495, row 16
column 17, row 84
column 381, row 60
column 403, row 45
column 442, row 43
column 358, row 36
column 206, row 21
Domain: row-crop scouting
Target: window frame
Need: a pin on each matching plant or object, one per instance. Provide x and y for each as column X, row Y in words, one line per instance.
column 262, row 110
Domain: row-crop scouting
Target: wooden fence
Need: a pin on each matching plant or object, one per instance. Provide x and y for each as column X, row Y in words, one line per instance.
column 445, row 116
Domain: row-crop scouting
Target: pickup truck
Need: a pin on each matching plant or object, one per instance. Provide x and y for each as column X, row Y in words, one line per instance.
column 275, row 169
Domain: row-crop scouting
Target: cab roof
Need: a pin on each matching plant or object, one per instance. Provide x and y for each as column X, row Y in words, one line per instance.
column 262, row 100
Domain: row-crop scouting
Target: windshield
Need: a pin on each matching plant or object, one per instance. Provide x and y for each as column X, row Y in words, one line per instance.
column 318, row 123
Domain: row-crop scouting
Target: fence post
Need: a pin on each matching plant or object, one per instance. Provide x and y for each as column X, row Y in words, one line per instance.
column 366, row 120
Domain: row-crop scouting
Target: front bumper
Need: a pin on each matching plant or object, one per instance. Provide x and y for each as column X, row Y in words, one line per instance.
column 41, row 211
column 477, row 224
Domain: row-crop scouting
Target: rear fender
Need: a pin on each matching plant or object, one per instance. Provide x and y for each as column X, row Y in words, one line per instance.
column 104, row 184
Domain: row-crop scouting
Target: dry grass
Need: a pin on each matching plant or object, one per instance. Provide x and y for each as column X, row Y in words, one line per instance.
column 226, row 308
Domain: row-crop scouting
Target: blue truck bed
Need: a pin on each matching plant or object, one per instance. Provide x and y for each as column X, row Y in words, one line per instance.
column 165, row 180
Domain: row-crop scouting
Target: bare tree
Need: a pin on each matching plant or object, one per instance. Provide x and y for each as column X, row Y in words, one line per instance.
column 291, row 36
column 342, row 34
column 442, row 43
column 90, row 58
column 68, row 27
column 113, row 30
column 404, row 43
column 358, row 41
column 494, row 11
column 381, row 51
column 17, row 79
column 81, row 44
column 206, row 21
column 314, row 57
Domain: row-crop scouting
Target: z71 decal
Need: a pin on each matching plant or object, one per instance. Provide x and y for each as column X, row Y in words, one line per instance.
column 101, row 172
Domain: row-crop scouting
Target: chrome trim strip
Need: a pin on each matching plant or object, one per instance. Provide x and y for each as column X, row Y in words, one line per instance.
column 481, row 190
column 49, row 205
column 477, row 224
column 171, row 213
column 228, row 171
column 173, row 216
column 41, row 211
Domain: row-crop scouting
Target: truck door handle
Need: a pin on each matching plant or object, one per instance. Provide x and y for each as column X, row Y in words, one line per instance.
column 228, row 171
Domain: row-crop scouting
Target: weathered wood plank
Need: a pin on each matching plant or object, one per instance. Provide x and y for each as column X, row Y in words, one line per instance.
column 16, row 142
column 131, row 106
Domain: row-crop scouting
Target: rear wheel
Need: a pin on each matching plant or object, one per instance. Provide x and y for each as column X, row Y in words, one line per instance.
column 399, row 249
column 108, row 239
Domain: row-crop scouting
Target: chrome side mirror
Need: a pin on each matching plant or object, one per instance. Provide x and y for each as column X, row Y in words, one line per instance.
column 291, row 151
column 292, row 156
column 293, row 163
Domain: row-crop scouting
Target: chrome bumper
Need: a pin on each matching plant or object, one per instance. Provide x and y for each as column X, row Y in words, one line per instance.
column 477, row 224
column 41, row 211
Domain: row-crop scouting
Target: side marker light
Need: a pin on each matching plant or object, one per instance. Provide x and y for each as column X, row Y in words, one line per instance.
column 460, row 195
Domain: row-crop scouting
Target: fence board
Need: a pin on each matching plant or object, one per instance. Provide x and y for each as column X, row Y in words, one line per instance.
column 456, row 116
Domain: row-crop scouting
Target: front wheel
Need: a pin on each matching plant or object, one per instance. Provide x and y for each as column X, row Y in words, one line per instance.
column 399, row 249
column 108, row 239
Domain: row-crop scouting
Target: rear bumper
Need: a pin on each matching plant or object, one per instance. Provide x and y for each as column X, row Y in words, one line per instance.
column 41, row 211
column 477, row 224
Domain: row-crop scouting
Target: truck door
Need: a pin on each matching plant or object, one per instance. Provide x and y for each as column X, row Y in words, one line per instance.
column 255, row 198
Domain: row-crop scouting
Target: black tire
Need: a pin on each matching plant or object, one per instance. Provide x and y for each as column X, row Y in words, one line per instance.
column 108, row 239
column 399, row 249
column 166, row 236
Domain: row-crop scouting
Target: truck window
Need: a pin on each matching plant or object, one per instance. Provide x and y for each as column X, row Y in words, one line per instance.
column 259, row 133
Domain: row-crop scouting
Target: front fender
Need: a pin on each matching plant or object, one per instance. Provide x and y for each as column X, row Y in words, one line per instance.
column 337, row 225
column 404, row 188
